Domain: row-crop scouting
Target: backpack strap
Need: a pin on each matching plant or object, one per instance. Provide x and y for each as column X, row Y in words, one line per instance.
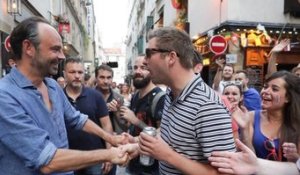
column 155, row 101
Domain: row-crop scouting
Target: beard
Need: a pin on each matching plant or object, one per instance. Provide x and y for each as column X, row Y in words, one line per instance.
column 45, row 66
column 141, row 82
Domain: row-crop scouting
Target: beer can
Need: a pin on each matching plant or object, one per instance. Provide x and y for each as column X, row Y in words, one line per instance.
column 144, row 159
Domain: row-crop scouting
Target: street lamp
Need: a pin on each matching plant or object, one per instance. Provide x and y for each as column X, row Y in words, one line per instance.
column 14, row 7
column 88, row 3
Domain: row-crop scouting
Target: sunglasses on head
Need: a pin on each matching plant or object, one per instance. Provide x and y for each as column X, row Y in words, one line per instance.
column 236, row 83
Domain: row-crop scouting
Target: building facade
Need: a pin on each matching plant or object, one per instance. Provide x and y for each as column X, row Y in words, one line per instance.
column 250, row 27
column 73, row 19
column 115, row 58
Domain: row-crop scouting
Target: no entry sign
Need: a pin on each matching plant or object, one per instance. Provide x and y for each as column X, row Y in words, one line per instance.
column 7, row 44
column 217, row 44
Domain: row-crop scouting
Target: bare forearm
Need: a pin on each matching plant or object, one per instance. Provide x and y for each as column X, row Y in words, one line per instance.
column 217, row 78
column 272, row 64
column 93, row 128
column 67, row 160
column 107, row 126
column 194, row 168
column 131, row 118
column 266, row 167
column 247, row 136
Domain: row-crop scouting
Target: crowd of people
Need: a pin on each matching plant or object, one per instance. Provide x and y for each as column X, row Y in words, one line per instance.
column 86, row 125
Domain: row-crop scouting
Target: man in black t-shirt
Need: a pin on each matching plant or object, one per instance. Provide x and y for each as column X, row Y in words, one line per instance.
column 140, row 113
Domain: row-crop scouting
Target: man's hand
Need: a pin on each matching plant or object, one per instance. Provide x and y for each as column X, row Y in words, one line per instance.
column 113, row 106
column 244, row 162
column 220, row 62
column 128, row 115
column 129, row 138
column 132, row 149
column 154, row 146
column 120, row 139
column 118, row 156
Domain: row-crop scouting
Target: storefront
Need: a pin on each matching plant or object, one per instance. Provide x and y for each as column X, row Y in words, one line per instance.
column 248, row 48
column 4, row 54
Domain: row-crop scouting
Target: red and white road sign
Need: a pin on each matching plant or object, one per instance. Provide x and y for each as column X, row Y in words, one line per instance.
column 217, row 44
column 7, row 44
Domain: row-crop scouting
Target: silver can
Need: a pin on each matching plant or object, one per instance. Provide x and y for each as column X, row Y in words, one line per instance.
column 144, row 159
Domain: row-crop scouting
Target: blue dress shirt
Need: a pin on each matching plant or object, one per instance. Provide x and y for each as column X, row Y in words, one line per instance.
column 30, row 134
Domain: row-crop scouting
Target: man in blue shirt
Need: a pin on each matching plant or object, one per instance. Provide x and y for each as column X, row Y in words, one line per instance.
column 252, row 100
column 34, row 110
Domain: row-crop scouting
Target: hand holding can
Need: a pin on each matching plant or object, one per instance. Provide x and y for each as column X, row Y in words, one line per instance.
column 144, row 159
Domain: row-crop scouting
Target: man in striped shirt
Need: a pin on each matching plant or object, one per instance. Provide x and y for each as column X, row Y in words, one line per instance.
column 194, row 121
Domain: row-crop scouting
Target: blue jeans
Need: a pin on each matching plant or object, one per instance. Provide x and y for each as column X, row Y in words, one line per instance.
column 91, row 170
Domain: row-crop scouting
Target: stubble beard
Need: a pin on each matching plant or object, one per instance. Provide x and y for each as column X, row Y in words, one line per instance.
column 44, row 66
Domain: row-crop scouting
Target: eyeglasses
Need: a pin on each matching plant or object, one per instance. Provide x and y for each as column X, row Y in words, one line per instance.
column 151, row 51
column 270, row 146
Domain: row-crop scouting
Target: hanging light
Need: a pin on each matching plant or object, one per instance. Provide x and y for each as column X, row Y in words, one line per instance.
column 14, row 7
column 88, row 3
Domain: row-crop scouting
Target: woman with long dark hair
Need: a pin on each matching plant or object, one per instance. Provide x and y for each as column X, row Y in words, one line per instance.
column 267, row 130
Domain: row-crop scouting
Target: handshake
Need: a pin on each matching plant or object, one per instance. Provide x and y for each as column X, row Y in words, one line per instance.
column 126, row 148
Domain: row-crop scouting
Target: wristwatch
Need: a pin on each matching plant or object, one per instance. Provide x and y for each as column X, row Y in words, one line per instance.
column 298, row 164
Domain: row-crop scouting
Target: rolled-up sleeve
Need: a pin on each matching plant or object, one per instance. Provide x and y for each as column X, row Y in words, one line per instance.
column 45, row 156
column 20, row 134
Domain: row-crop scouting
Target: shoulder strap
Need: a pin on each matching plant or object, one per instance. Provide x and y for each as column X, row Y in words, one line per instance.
column 155, row 101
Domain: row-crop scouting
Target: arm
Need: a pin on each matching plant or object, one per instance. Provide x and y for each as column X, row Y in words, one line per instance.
column 272, row 64
column 266, row 167
column 273, row 55
column 106, row 125
column 67, row 160
column 132, row 149
column 245, row 162
column 218, row 76
column 93, row 128
column 245, row 121
column 129, row 116
column 157, row 148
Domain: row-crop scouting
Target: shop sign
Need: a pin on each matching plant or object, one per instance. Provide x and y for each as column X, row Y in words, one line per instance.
column 7, row 44
column 89, row 19
column 64, row 27
column 231, row 58
column 176, row 4
column 217, row 44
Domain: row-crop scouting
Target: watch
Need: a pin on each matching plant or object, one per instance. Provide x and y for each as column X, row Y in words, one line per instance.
column 298, row 164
